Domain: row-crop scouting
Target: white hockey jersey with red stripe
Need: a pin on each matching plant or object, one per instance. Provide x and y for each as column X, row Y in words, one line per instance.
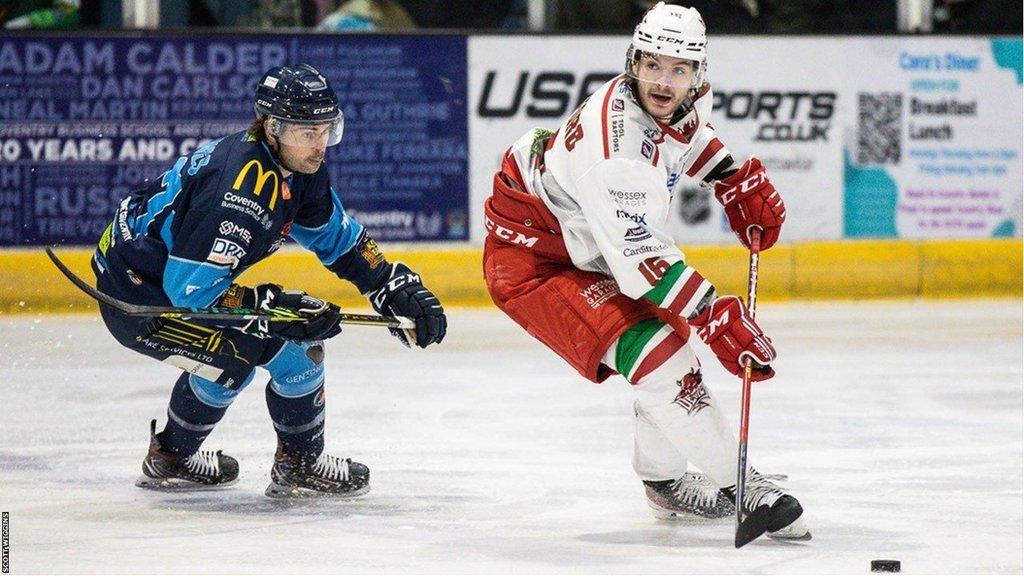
column 608, row 175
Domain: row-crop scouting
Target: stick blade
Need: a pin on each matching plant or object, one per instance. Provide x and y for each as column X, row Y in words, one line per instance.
column 753, row 526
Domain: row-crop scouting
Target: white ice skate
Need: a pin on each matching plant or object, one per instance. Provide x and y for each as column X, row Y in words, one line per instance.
column 690, row 496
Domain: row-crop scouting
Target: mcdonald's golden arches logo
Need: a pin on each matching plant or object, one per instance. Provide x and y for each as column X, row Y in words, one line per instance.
column 261, row 180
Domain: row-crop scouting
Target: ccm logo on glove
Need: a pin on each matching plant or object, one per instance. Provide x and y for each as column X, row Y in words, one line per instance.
column 403, row 294
column 730, row 332
column 728, row 196
column 751, row 201
column 392, row 285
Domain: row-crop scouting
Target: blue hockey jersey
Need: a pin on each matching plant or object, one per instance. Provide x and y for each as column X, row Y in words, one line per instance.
column 184, row 239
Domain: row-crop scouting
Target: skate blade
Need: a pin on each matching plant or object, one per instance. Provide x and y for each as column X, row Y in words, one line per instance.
column 275, row 490
column 683, row 516
column 179, row 485
column 795, row 532
column 790, row 538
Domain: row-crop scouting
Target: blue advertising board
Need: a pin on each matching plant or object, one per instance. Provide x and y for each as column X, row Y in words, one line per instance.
column 84, row 120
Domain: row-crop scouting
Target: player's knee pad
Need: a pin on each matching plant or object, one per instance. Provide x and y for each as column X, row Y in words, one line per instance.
column 671, row 399
column 295, row 396
column 297, row 369
column 675, row 389
column 670, row 393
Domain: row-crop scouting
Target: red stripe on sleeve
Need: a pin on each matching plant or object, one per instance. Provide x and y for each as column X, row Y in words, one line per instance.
column 712, row 148
column 656, row 357
column 684, row 295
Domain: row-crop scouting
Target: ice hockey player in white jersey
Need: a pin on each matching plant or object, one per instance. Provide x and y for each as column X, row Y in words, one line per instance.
column 578, row 255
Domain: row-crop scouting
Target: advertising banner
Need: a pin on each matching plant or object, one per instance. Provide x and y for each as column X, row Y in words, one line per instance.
column 516, row 84
column 84, row 120
column 933, row 138
column 864, row 137
column 777, row 99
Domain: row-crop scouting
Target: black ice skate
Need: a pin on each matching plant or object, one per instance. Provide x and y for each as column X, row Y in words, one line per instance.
column 312, row 475
column 770, row 509
column 204, row 470
column 689, row 496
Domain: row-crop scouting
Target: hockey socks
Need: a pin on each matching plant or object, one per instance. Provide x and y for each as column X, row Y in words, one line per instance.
column 191, row 419
column 299, row 421
column 672, row 399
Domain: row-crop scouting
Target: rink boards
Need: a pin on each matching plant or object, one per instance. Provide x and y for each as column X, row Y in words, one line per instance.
column 899, row 158
column 881, row 137
column 849, row 269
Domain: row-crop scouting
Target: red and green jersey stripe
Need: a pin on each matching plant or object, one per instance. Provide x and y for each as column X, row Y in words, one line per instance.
column 680, row 290
column 644, row 347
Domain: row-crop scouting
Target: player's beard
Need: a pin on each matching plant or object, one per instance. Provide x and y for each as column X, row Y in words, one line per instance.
column 659, row 101
column 301, row 160
column 311, row 162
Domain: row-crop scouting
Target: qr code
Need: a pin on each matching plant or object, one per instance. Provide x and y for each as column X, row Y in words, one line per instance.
column 879, row 121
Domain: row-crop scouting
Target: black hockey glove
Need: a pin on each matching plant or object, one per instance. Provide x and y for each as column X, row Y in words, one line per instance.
column 324, row 318
column 403, row 294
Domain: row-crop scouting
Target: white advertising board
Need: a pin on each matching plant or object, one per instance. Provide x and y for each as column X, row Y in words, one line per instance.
column 933, row 137
column 777, row 99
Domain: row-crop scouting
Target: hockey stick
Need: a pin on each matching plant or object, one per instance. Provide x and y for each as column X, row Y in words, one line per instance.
column 748, row 527
column 227, row 314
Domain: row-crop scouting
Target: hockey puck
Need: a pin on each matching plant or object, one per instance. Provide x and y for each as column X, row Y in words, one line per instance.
column 885, row 565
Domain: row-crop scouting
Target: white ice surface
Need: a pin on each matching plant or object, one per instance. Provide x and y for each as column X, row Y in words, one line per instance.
column 899, row 424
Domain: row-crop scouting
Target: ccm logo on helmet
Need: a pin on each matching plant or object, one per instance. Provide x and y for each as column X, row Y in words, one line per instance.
column 671, row 40
column 322, row 110
column 509, row 235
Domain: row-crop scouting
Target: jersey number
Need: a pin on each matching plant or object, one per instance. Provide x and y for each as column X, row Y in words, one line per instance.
column 653, row 269
column 573, row 130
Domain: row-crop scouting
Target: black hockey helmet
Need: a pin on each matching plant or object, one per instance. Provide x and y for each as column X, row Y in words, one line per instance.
column 299, row 94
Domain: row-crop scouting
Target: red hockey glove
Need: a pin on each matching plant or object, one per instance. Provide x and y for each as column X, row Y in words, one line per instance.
column 730, row 332
column 750, row 201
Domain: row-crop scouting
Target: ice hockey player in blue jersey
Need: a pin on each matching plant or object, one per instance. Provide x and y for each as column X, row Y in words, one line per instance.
column 184, row 240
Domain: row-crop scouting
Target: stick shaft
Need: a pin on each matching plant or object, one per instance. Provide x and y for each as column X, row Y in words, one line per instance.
column 741, row 464
column 226, row 314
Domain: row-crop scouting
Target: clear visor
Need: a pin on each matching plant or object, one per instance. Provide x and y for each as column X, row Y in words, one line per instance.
column 676, row 74
column 309, row 135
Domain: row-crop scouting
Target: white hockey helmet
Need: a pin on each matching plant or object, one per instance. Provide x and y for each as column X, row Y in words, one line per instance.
column 671, row 30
